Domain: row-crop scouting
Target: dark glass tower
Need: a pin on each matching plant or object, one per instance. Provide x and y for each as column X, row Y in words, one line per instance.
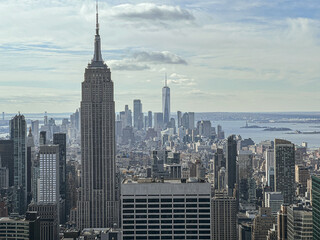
column 18, row 134
column 98, row 201
column 231, row 164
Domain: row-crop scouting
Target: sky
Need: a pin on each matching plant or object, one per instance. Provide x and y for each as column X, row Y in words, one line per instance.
column 219, row 55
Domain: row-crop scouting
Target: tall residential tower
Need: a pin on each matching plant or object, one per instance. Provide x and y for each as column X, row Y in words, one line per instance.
column 98, row 202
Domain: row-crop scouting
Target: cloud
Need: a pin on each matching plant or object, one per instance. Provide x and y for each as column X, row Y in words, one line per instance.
column 127, row 65
column 164, row 57
column 150, row 11
column 179, row 79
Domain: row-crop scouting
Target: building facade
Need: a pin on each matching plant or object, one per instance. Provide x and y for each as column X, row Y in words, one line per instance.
column 165, row 210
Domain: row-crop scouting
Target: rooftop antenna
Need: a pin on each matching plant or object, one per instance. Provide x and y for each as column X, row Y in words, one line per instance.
column 97, row 17
column 165, row 80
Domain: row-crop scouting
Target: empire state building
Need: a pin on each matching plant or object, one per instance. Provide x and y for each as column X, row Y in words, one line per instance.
column 98, row 205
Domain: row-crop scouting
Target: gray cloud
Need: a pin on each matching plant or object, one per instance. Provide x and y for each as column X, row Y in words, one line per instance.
column 150, row 11
column 159, row 57
column 127, row 65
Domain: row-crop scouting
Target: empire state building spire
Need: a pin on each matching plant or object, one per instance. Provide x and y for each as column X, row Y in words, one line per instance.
column 97, row 57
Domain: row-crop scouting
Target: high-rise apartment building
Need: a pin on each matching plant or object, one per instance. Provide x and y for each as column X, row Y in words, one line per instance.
column 224, row 216
column 166, row 209
column 98, row 205
column 284, row 167
column 18, row 134
column 166, row 103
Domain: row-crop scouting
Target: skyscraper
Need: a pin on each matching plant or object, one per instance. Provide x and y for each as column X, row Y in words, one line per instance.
column 49, row 174
column 166, row 102
column 18, row 133
column 150, row 119
column 316, row 206
column 231, row 164
column 98, row 203
column 60, row 140
column 137, row 114
column 284, row 167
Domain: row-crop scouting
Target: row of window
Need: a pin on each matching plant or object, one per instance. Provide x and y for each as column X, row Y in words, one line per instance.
column 188, row 205
column 143, row 200
column 191, row 210
column 164, row 221
column 168, row 216
column 165, row 232
column 167, row 227
column 165, row 237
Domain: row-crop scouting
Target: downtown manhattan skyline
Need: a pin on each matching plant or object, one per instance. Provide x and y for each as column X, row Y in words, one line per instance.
column 219, row 56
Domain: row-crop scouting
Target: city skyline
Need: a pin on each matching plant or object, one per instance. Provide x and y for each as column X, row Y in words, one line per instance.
column 237, row 53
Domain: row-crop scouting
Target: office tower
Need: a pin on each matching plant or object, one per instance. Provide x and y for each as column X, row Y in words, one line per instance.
column 31, row 155
column 43, row 138
column 316, row 206
column 299, row 219
column 245, row 175
column 98, row 204
column 6, row 154
column 282, row 223
column 224, row 216
column 273, row 200
column 191, row 120
column 165, row 210
column 262, row 223
column 179, row 118
column 146, row 122
column 284, row 163
column 302, row 175
column 231, row 164
column 137, row 114
column 166, row 103
column 18, row 134
column 35, row 131
column 149, row 119
column 158, row 121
